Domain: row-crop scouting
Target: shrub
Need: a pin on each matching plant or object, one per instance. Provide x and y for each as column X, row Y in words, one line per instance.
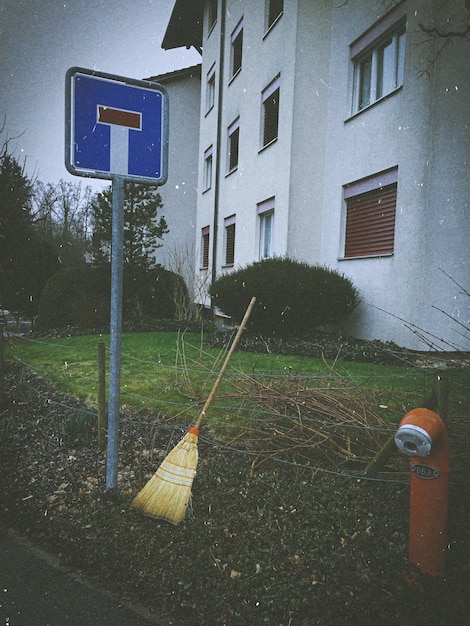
column 155, row 293
column 80, row 297
column 75, row 296
column 293, row 298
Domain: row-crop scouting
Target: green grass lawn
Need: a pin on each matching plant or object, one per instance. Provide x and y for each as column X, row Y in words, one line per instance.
column 171, row 374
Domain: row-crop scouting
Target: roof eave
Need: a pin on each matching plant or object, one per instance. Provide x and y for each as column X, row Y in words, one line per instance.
column 185, row 26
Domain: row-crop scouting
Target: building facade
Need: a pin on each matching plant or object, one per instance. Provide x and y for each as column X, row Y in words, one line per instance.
column 338, row 134
column 179, row 194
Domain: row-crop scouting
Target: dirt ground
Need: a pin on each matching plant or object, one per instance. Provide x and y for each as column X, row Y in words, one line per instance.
column 37, row 589
column 281, row 546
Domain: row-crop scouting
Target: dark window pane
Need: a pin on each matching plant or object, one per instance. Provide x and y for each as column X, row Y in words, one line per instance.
column 271, row 117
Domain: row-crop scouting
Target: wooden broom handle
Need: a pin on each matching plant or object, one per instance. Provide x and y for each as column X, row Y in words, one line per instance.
column 226, row 362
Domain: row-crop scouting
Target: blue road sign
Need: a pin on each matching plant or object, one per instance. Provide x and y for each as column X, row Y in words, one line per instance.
column 116, row 126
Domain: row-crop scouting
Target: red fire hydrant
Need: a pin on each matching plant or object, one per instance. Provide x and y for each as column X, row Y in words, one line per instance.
column 422, row 435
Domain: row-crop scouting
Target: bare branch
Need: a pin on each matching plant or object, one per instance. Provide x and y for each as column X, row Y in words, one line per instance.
column 435, row 31
column 426, row 71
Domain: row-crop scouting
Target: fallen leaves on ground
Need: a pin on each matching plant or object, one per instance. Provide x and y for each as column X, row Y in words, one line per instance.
column 283, row 545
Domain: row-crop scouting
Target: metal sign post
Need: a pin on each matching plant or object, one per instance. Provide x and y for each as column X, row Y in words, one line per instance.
column 116, row 129
column 115, row 333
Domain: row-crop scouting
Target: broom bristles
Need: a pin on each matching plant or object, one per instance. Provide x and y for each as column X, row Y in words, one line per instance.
column 167, row 494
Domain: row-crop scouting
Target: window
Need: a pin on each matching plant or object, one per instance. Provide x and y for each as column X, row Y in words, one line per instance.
column 270, row 112
column 207, row 169
column 265, row 212
column 232, row 145
column 379, row 59
column 229, row 224
column 236, row 50
column 370, row 215
column 274, row 9
column 212, row 14
column 205, row 237
column 210, row 89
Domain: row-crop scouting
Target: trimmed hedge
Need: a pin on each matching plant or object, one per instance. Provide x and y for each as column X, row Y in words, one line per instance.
column 80, row 297
column 75, row 296
column 293, row 298
column 153, row 293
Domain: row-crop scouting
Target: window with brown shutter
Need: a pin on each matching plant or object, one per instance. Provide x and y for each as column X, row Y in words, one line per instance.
column 370, row 217
column 205, row 234
column 229, row 223
column 270, row 113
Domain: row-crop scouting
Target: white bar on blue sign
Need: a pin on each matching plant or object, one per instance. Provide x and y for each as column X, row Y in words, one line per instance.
column 119, row 152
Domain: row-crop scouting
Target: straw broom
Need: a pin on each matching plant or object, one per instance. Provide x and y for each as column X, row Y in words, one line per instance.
column 167, row 493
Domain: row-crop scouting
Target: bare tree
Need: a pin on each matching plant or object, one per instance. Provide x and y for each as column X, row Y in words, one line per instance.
column 450, row 24
column 180, row 260
column 61, row 212
column 26, row 260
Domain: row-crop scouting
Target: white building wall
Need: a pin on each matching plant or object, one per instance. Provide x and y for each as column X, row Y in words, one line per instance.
column 447, row 188
column 422, row 128
column 400, row 291
column 373, row 140
column 207, row 138
column 179, row 194
column 311, row 97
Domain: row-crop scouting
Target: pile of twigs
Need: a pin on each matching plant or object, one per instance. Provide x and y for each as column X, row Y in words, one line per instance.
column 331, row 423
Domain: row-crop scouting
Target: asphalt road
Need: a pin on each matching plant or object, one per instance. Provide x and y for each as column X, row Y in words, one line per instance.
column 35, row 590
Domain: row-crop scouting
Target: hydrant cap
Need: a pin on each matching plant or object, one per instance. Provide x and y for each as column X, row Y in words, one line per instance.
column 413, row 440
column 418, row 431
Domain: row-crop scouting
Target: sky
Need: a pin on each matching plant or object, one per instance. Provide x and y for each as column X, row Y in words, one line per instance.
column 41, row 39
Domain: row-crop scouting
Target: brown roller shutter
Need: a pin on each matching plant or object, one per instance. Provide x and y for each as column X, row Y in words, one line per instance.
column 205, row 248
column 230, row 244
column 271, row 117
column 370, row 223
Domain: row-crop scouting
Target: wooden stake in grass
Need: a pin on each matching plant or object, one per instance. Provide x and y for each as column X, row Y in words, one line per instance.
column 167, row 493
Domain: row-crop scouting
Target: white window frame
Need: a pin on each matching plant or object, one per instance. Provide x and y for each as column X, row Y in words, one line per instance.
column 212, row 15
column 270, row 18
column 210, row 89
column 232, row 129
column 236, row 41
column 265, row 211
column 208, row 166
column 378, row 58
